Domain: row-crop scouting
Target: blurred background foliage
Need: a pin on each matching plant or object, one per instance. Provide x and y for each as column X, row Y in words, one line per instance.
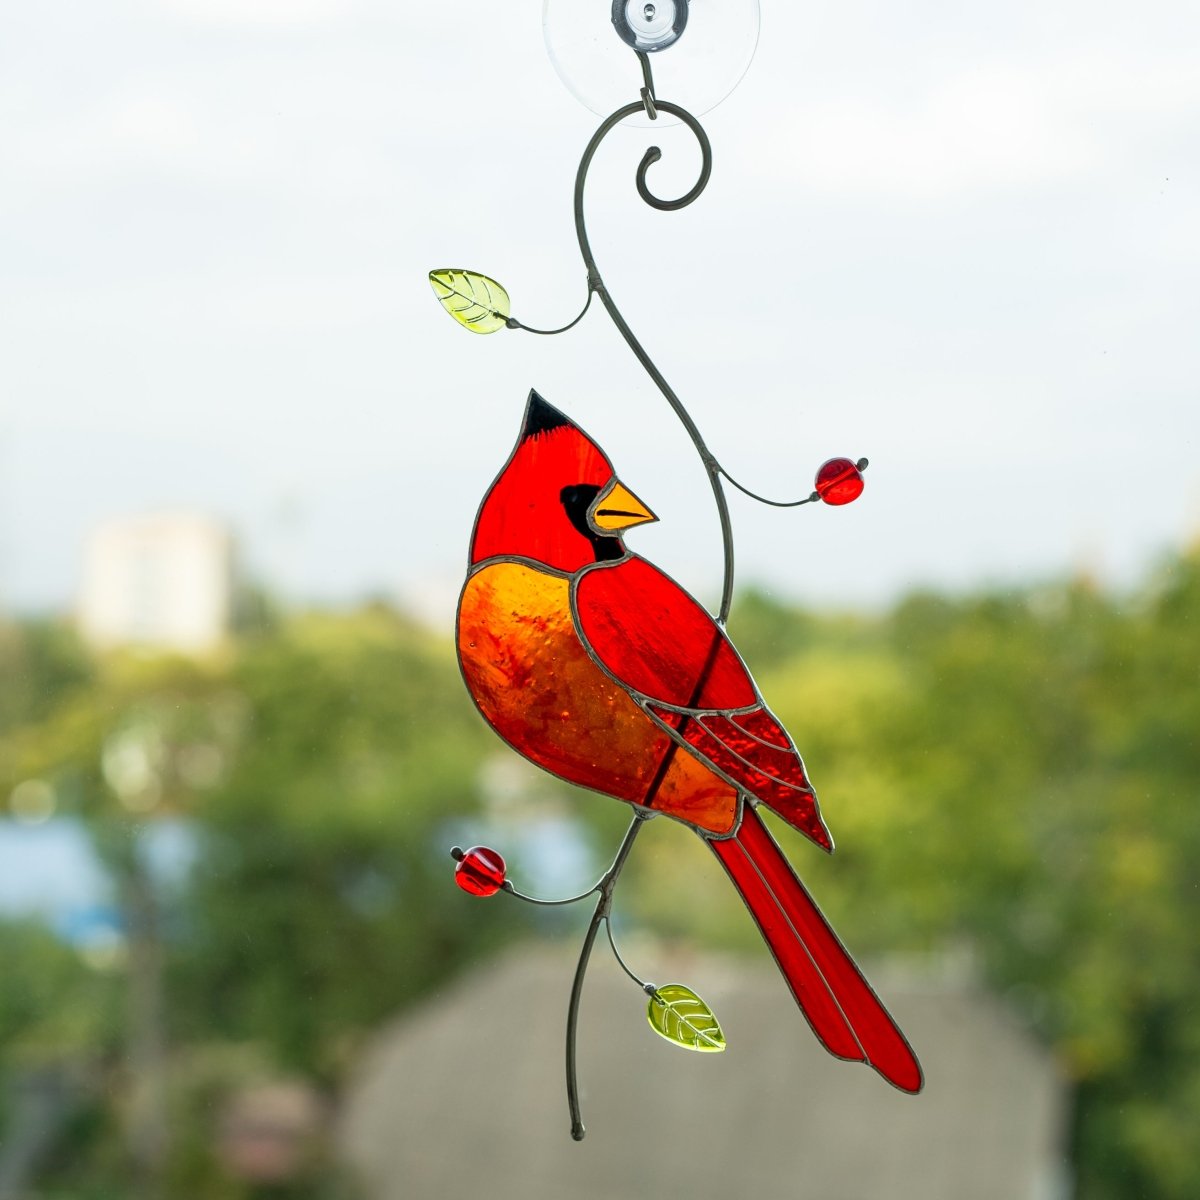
column 1012, row 777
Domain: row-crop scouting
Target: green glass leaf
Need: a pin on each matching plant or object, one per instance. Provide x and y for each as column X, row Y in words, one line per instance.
column 476, row 302
column 678, row 1014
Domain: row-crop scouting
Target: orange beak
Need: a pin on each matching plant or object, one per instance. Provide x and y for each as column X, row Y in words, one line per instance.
column 617, row 509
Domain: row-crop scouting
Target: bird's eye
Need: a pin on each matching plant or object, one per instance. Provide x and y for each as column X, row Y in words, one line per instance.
column 577, row 500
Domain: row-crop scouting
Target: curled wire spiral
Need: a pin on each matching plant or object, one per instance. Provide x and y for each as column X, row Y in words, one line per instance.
column 596, row 285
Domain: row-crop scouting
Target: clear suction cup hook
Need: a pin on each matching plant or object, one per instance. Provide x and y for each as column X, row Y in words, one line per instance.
column 700, row 49
column 649, row 26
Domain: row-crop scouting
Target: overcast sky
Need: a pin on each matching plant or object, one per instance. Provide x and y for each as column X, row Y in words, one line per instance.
column 960, row 239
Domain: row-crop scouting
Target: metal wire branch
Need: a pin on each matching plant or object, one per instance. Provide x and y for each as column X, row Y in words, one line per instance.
column 513, row 323
column 652, row 155
column 601, row 913
column 507, row 886
column 604, row 886
column 763, row 500
column 646, row 987
column 650, row 105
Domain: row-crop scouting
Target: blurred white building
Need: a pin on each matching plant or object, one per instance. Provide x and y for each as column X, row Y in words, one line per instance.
column 164, row 580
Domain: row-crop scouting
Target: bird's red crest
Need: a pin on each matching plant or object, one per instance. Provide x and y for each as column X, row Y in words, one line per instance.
column 523, row 514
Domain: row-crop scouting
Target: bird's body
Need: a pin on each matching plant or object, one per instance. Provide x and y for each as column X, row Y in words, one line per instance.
column 601, row 669
column 538, row 687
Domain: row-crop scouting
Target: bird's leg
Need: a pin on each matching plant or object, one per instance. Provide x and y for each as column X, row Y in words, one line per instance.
column 603, row 907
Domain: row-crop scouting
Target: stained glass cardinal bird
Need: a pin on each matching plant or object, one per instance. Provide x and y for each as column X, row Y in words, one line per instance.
column 594, row 664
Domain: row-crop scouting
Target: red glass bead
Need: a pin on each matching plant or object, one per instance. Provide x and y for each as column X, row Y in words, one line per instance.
column 839, row 481
column 480, row 871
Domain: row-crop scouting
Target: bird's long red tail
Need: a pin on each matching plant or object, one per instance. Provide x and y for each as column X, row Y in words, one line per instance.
column 840, row 1006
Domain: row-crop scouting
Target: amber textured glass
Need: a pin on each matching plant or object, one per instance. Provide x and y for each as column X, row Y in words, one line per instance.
column 541, row 691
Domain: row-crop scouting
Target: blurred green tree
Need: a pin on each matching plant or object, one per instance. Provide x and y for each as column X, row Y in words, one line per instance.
column 313, row 771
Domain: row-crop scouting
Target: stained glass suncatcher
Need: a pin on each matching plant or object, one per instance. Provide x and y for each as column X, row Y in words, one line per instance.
column 597, row 666
column 592, row 663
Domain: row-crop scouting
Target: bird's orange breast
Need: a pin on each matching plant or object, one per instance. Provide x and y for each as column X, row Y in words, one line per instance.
column 540, row 690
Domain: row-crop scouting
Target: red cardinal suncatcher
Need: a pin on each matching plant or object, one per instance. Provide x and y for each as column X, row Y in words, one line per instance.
column 594, row 664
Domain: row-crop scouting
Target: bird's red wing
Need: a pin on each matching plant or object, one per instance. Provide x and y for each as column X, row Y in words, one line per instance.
column 768, row 773
column 658, row 642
